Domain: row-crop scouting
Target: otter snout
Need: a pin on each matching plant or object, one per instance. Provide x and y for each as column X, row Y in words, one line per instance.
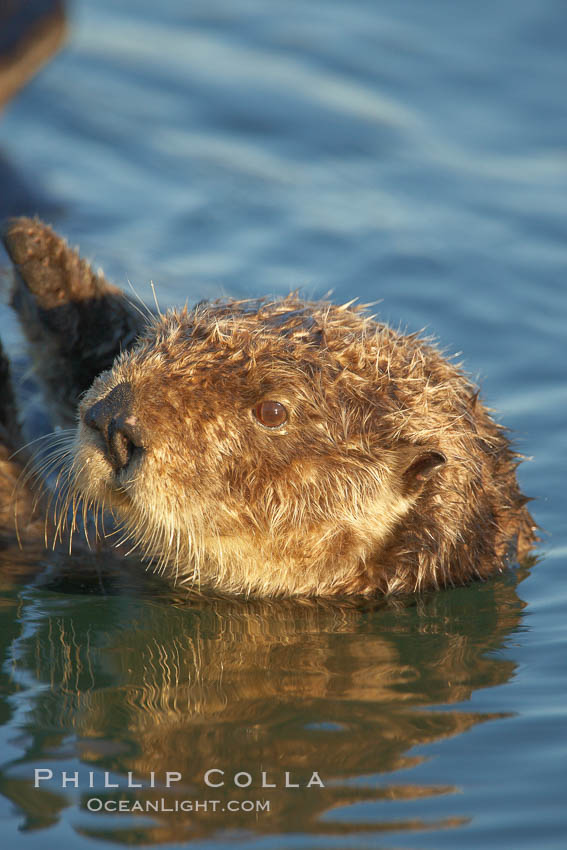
column 114, row 419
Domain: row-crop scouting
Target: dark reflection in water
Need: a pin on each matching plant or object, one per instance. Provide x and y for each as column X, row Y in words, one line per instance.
column 110, row 673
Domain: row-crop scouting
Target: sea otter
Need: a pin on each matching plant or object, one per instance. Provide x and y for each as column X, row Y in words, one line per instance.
column 269, row 447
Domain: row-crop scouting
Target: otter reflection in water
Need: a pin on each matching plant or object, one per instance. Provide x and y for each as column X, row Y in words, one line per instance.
column 130, row 683
column 266, row 447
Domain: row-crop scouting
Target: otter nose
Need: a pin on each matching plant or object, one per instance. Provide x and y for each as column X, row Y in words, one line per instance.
column 113, row 418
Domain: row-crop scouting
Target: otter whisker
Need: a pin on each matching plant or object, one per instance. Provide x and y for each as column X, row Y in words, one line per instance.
column 34, row 468
column 103, row 514
column 61, row 505
column 177, row 555
column 160, row 314
column 144, row 311
column 73, row 527
column 38, row 471
column 85, row 506
column 63, row 433
column 133, row 548
column 60, row 519
column 125, row 535
column 119, row 529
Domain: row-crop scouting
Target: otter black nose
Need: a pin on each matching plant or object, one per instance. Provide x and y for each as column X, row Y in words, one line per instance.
column 114, row 419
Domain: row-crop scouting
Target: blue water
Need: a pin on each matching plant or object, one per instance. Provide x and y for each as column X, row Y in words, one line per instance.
column 410, row 152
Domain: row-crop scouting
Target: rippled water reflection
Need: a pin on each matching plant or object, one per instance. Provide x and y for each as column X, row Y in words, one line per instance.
column 140, row 682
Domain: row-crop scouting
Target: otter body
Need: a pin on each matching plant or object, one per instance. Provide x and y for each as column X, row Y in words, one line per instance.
column 270, row 447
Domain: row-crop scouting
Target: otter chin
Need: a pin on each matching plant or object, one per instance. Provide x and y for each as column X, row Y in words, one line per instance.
column 265, row 447
column 290, row 447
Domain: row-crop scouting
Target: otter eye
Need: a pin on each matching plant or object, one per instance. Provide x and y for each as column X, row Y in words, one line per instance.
column 272, row 414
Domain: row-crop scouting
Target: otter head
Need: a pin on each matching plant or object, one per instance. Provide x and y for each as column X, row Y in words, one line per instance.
column 256, row 447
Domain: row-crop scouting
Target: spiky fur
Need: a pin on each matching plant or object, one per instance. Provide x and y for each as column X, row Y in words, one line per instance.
column 319, row 506
column 388, row 476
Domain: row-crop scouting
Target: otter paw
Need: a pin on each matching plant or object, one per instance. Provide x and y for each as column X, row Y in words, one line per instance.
column 74, row 320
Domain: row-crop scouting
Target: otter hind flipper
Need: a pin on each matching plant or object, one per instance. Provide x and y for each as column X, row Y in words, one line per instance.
column 75, row 321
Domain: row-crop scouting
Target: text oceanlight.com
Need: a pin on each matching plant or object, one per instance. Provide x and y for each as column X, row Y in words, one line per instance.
column 161, row 805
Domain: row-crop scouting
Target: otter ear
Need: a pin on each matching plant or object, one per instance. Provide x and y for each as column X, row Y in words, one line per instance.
column 420, row 470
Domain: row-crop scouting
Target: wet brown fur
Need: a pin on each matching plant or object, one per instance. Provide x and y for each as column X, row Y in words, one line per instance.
column 388, row 476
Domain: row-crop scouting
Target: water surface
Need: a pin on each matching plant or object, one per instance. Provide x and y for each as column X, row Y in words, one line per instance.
column 410, row 153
